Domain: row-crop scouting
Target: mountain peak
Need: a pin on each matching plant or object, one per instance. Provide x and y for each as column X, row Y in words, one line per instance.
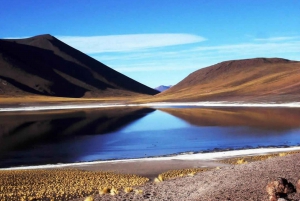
column 45, row 65
column 162, row 88
column 43, row 36
column 37, row 37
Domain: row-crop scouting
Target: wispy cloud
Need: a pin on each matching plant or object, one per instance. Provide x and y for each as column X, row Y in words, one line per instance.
column 192, row 58
column 275, row 39
column 181, row 64
column 256, row 48
column 123, row 43
column 153, row 67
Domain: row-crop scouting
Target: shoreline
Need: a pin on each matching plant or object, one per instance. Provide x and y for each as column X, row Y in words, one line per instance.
column 206, row 185
column 64, row 106
column 196, row 178
column 206, row 159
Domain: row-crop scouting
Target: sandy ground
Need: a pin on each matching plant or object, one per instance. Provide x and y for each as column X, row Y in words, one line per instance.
column 220, row 181
column 150, row 169
column 234, row 182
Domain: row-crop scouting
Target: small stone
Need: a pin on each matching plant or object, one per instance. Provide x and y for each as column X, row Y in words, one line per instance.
column 272, row 198
column 281, row 199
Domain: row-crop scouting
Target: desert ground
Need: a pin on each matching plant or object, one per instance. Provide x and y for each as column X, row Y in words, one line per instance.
column 230, row 178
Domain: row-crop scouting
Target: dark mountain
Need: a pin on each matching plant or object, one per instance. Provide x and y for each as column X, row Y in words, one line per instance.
column 44, row 65
column 264, row 79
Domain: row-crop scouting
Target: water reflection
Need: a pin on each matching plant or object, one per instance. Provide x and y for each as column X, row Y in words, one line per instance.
column 101, row 134
column 20, row 132
column 262, row 118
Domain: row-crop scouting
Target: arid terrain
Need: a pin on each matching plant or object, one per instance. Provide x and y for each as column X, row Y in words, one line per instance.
column 259, row 79
column 243, row 178
column 44, row 69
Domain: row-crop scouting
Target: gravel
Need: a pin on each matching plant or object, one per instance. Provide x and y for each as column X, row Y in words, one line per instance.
column 236, row 182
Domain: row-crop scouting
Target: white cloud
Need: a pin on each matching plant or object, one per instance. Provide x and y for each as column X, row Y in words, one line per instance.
column 226, row 52
column 256, row 48
column 195, row 58
column 133, row 42
column 153, row 67
column 275, row 39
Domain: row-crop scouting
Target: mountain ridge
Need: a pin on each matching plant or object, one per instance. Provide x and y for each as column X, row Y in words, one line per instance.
column 44, row 65
column 246, row 79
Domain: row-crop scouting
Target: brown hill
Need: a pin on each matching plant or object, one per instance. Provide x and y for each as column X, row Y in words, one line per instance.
column 43, row 65
column 263, row 79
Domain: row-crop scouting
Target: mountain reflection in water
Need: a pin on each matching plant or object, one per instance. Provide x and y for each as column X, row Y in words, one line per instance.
column 267, row 118
column 28, row 138
column 29, row 130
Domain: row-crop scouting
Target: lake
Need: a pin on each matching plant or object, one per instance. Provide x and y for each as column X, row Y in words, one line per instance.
column 65, row 136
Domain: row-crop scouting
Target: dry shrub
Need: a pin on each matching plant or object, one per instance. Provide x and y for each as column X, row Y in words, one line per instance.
column 89, row 198
column 283, row 154
column 61, row 184
column 233, row 161
column 114, row 191
column 241, row 161
column 104, row 190
column 192, row 174
column 180, row 173
column 156, row 180
column 128, row 189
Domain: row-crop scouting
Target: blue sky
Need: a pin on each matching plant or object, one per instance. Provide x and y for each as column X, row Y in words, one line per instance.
column 161, row 41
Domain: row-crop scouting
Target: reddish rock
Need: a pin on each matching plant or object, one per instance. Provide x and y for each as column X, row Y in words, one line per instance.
column 298, row 186
column 272, row 198
column 279, row 189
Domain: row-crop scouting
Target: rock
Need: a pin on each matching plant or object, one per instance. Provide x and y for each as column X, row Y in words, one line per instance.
column 279, row 189
column 281, row 199
column 298, row 186
column 272, row 198
column 276, row 187
column 289, row 188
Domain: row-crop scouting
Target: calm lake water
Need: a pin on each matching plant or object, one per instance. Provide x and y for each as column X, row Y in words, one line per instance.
column 50, row 137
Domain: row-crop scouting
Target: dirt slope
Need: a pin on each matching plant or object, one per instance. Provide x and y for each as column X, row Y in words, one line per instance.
column 249, row 79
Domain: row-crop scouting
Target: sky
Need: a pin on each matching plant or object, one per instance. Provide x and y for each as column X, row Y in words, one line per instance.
column 160, row 42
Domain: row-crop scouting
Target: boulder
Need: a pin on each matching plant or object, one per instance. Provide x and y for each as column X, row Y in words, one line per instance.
column 279, row 188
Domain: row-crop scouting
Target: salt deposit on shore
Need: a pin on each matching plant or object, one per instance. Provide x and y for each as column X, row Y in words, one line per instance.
column 159, row 104
column 211, row 156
